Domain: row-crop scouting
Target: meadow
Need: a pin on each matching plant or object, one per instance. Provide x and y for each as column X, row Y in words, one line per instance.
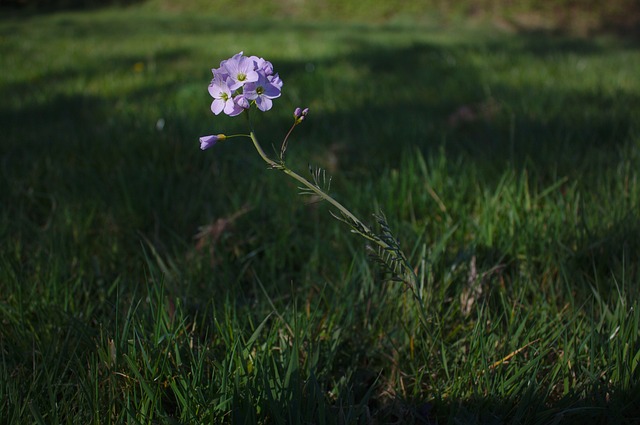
column 145, row 281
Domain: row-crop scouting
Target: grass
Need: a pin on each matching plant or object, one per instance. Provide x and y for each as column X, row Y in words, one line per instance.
column 507, row 165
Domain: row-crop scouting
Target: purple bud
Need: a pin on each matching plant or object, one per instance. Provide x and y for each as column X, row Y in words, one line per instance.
column 208, row 141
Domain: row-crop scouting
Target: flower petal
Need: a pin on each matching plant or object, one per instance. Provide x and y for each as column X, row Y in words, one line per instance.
column 264, row 103
column 217, row 106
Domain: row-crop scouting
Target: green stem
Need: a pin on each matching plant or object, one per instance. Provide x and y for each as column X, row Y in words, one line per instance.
column 357, row 225
column 280, row 166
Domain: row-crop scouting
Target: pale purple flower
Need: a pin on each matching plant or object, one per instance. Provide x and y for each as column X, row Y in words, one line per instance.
column 241, row 70
column 220, row 72
column 241, row 101
column 262, row 65
column 261, row 92
column 222, row 98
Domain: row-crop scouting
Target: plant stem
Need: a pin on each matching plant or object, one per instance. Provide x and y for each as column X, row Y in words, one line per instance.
column 357, row 226
column 315, row 189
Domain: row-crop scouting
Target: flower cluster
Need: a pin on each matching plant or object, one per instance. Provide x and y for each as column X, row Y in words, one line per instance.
column 242, row 80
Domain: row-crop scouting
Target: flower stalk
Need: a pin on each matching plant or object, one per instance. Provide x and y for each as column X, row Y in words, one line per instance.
column 241, row 82
column 398, row 262
column 316, row 190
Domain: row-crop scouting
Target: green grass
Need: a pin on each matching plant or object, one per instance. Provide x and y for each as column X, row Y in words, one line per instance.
column 506, row 164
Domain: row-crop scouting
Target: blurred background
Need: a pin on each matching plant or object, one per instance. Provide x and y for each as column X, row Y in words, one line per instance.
column 576, row 16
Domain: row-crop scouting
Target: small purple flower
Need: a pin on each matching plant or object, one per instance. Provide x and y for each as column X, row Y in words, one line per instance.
column 220, row 73
column 262, row 65
column 219, row 90
column 262, row 91
column 241, row 70
column 222, row 98
column 242, row 102
column 208, row 141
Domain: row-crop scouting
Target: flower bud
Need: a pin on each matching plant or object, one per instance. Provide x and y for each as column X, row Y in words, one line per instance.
column 299, row 114
column 208, row 141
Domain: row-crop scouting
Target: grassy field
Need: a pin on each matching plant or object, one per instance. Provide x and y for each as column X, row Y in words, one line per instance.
column 145, row 281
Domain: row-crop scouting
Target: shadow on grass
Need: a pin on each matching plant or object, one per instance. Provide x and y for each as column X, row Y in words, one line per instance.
column 603, row 405
column 611, row 250
column 52, row 6
column 417, row 95
column 427, row 96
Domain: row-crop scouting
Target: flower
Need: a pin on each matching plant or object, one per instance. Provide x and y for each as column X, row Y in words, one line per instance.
column 262, row 65
column 208, row 141
column 261, row 92
column 242, row 101
column 222, row 97
column 241, row 70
